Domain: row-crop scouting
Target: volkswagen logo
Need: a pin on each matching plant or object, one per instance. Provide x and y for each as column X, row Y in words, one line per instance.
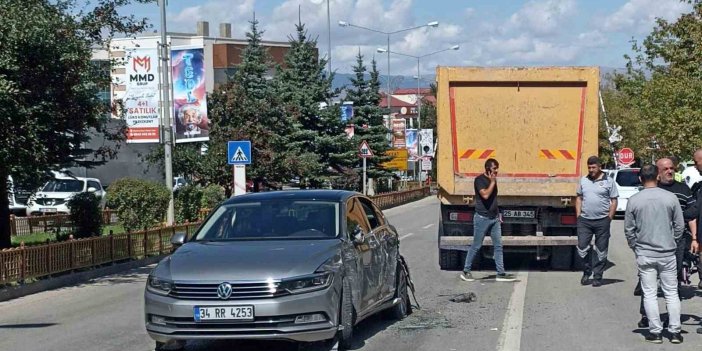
column 224, row 290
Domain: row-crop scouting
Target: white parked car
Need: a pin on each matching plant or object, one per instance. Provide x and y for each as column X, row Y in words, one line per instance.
column 628, row 184
column 17, row 208
column 691, row 176
column 53, row 197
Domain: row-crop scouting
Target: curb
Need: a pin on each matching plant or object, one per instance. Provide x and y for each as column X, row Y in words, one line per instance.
column 69, row 279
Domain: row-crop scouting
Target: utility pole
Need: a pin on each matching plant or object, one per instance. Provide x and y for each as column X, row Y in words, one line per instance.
column 166, row 112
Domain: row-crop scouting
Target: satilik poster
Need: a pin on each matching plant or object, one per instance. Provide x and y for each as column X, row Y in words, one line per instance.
column 142, row 96
column 189, row 95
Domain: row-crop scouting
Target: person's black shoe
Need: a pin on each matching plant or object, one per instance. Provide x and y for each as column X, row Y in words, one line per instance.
column 676, row 338
column 597, row 283
column 643, row 323
column 585, row 280
column 654, row 338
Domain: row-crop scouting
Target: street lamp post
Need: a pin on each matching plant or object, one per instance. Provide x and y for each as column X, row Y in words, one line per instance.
column 329, row 47
column 166, row 114
column 419, row 106
column 432, row 24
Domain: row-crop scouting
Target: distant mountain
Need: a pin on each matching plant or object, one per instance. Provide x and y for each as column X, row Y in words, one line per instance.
column 400, row 82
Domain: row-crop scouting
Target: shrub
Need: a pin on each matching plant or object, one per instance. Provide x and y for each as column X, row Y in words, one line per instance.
column 139, row 203
column 212, row 195
column 187, row 203
column 86, row 215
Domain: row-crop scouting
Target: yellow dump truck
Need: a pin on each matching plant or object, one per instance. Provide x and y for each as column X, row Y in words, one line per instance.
column 541, row 124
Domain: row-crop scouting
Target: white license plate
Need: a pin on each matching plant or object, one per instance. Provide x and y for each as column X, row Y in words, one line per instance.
column 224, row 313
column 518, row 214
column 48, row 210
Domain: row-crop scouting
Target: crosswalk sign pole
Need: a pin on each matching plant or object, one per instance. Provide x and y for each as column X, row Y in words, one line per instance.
column 365, row 192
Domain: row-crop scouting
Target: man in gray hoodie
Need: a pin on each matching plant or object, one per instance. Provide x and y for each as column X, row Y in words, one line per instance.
column 652, row 224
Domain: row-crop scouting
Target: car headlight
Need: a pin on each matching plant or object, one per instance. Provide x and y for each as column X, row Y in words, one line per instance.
column 313, row 282
column 159, row 286
column 331, row 265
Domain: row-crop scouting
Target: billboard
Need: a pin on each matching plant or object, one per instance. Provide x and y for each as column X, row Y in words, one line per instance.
column 189, row 95
column 141, row 97
column 347, row 111
column 411, row 143
column 398, row 126
column 399, row 159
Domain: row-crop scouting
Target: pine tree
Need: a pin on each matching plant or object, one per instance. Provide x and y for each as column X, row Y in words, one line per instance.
column 247, row 108
column 368, row 117
column 317, row 135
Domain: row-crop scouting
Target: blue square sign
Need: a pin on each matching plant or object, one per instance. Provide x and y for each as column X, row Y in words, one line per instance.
column 239, row 152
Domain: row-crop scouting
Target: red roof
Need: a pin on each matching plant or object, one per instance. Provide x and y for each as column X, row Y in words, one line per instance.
column 412, row 91
column 394, row 102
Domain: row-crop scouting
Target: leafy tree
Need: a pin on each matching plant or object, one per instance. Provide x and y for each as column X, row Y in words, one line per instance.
column 368, row 117
column 86, row 215
column 317, row 136
column 139, row 203
column 48, row 88
column 663, row 87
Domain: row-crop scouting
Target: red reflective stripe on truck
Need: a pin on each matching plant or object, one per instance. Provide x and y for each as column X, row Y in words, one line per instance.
column 468, row 153
column 580, row 130
column 452, row 99
column 548, row 154
column 567, row 154
column 486, row 154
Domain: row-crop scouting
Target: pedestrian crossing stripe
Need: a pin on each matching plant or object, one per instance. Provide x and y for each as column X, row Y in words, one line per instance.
column 239, row 156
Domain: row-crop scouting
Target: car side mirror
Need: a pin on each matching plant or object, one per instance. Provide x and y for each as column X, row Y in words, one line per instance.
column 178, row 240
column 358, row 235
column 92, row 190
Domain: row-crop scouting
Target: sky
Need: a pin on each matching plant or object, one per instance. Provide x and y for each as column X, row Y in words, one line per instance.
column 489, row 32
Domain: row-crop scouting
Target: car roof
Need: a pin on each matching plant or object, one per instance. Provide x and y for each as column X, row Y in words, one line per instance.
column 324, row 195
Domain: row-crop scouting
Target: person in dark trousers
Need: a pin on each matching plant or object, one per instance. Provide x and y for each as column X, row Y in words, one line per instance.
column 666, row 181
column 697, row 158
column 487, row 220
column 595, row 207
column 652, row 224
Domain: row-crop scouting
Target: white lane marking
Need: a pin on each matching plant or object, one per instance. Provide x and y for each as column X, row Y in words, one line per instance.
column 406, row 235
column 428, row 226
column 511, row 335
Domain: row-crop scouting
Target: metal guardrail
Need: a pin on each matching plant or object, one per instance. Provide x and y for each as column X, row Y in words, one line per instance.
column 25, row 262
column 397, row 198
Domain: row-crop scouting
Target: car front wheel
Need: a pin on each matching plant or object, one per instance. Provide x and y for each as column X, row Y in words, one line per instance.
column 346, row 316
column 403, row 307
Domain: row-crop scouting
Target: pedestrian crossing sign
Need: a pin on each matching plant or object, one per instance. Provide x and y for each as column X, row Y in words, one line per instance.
column 364, row 150
column 239, row 152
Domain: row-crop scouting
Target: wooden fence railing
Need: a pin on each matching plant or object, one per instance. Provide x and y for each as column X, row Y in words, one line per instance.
column 22, row 263
column 25, row 262
column 21, row 226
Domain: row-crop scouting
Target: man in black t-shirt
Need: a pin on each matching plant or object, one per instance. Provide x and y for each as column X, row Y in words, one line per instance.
column 487, row 220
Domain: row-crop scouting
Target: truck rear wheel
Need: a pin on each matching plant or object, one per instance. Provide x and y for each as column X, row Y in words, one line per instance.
column 561, row 257
column 449, row 259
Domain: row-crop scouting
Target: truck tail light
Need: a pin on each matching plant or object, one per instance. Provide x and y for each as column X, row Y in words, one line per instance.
column 569, row 219
column 461, row 216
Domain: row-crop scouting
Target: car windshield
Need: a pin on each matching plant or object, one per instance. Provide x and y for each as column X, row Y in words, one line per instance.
column 63, row 186
column 278, row 219
column 628, row 178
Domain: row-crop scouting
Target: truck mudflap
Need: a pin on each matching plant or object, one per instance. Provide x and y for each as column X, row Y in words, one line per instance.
column 463, row 243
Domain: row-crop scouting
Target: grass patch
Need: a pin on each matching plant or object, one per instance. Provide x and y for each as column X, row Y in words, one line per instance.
column 39, row 238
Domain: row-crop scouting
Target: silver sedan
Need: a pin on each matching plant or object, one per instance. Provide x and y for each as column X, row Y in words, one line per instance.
column 295, row 265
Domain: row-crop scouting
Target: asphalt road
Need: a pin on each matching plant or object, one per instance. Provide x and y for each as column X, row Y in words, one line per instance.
column 544, row 310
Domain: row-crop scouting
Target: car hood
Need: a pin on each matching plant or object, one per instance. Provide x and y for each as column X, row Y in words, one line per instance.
column 626, row 192
column 54, row 195
column 246, row 260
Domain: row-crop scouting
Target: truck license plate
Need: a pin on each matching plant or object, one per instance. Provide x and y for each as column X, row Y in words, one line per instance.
column 237, row 313
column 518, row 214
